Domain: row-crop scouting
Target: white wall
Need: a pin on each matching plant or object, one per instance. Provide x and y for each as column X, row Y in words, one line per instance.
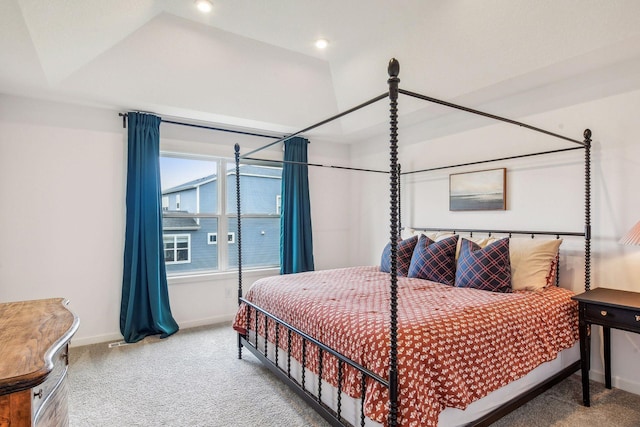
column 62, row 183
column 543, row 193
column 62, row 186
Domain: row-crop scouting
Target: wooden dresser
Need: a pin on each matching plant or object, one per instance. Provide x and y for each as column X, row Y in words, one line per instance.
column 34, row 345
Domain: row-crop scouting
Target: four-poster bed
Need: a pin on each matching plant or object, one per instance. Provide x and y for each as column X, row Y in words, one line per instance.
column 405, row 347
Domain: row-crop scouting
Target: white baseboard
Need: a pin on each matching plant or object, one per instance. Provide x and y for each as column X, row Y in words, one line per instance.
column 108, row 338
column 616, row 382
column 207, row 321
column 98, row 339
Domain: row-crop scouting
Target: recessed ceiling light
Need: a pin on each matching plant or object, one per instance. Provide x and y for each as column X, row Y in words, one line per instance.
column 322, row 43
column 204, row 6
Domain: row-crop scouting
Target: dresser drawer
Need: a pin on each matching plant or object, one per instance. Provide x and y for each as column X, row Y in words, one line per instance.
column 42, row 393
column 55, row 412
column 613, row 316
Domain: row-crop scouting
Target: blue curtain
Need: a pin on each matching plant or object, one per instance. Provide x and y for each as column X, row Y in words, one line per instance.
column 145, row 307
column 296, row 244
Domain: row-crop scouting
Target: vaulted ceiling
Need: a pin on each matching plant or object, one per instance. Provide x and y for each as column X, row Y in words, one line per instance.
column 253, row 64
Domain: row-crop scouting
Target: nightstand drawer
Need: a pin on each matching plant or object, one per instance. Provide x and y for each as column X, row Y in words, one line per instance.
column 613, row 316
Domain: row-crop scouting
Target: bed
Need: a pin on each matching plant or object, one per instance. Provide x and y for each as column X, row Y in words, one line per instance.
column 397, row 343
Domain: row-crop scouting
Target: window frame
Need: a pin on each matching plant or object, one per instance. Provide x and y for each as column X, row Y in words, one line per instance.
column 225, row 166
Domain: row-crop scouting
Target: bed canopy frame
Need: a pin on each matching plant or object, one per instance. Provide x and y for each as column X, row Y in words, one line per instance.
column 391, row 382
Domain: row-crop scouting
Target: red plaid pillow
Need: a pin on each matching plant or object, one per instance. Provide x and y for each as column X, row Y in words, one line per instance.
column 485, row 268
column 404, row 254
column 435, row 261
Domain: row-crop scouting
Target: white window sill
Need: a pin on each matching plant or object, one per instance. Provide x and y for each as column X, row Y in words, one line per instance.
column 222, row 275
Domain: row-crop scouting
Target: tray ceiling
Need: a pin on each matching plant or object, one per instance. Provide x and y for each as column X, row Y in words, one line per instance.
column 253, row 64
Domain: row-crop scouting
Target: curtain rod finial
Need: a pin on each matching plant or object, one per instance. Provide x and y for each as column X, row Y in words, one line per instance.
column 237, row 147
column 587, row 134
column 124, row 120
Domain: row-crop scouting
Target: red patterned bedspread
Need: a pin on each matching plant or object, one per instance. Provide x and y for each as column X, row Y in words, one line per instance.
column 455, row 345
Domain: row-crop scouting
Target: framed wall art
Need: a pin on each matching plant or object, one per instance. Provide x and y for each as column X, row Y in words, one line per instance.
column 478, row 191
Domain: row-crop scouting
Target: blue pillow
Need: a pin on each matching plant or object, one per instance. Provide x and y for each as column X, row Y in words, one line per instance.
column 485, row 268
column 404, row 253
column 435, row 261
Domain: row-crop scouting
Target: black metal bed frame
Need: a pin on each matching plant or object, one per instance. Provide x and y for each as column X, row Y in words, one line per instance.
column 334, row 417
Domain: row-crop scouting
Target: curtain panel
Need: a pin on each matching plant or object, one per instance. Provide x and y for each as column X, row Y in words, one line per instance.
column 145, row 306
column 296, row 243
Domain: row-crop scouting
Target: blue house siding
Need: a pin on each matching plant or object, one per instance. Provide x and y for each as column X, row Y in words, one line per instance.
column 187, row 200
column 258, row 194
column 260, row 242
column 209, row 197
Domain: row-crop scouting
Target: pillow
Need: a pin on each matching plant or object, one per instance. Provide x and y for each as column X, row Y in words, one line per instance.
column 435, row 261
column 404, row 253
column 531, row 262
column 441, row 235
column 485, row 268
column 408, row 232
column 480, row 241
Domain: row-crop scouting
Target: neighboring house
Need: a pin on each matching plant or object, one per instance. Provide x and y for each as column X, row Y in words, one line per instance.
column 193, row 243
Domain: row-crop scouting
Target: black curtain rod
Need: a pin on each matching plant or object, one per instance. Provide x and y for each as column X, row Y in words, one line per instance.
column 330, row 119
column 492, row 160
column 173, row 122
column 313, row 164
column 489, row 115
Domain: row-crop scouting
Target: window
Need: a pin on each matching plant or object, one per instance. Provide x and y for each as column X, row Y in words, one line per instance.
column 278, row 204
column 177, row 248
column 199, row 202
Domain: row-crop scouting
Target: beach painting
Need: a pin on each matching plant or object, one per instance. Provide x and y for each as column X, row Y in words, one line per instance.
column 478, row 191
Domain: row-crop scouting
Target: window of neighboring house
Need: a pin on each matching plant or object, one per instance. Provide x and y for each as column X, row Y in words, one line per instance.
column 202, row 205
column 212, row 238
column 165, row 203
column 278, row 204
column 177, row 248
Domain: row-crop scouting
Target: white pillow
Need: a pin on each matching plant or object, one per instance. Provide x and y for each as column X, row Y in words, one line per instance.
column 408, row 232
column 531, row 261
column 480, row 241
column 435, row 236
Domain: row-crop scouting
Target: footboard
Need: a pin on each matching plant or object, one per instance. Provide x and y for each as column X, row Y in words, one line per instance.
column 258, row 340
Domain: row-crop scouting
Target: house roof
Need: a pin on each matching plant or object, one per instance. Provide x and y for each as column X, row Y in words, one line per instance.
column 191, row 184
column 177, row 223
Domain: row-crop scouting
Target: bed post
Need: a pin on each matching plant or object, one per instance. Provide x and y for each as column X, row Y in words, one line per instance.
column 394, row 70
column 587, row 209
column 400, row 200
column 239, row 237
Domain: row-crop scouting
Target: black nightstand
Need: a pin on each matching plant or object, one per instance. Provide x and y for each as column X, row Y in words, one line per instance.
column 609, row 308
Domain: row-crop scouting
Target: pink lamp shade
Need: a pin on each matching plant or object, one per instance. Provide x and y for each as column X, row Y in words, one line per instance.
column 632, row 237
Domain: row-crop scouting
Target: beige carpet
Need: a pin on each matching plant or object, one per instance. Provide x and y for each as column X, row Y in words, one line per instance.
column 195, row 379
